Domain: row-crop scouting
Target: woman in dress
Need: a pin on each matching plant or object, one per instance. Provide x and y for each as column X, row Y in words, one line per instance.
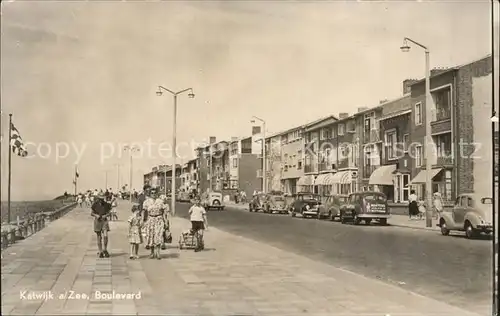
column 438, row 204
column 155, row 225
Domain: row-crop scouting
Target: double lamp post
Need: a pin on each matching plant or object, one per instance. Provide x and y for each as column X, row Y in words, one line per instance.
column 174, row 135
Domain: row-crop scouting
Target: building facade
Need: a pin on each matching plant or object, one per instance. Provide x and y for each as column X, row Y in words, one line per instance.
column 273, row 163
column 292, row 159
column 160, row 177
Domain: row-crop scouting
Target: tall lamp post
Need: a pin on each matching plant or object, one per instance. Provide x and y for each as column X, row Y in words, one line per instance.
column 428, row 137
column 117, row 176
column 264, row 171
column 131, row 150
column 174, row 134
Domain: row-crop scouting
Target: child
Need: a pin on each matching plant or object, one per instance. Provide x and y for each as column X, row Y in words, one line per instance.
column 421, row 209
column 134, row 232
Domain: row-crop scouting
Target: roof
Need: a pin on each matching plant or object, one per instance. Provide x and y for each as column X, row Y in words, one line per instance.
column 321, row 122
column 285, row 131
column 448, row 70
column 395, row 114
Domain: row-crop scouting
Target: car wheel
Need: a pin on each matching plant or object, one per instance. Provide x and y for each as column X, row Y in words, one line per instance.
column 330, row 216
column 444, row 229
column 470, row 232
column 342, row 219
column 267, row 209
column 368, row 221
column 383, row 221
column 356, row 220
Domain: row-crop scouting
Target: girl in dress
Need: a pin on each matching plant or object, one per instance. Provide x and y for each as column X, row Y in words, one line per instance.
column 134, row 232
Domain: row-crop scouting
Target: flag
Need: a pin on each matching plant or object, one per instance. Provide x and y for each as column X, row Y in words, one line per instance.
column 76, row 173
column 255, row 130
column 16, row 142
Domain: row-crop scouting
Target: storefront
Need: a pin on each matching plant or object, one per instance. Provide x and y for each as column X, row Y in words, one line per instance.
column 382, row 180
column 418, row 183
column 306, row 183
column 343, row 182
column 323, row 182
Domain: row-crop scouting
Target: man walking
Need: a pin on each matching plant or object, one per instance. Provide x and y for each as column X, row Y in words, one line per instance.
column 101, row 212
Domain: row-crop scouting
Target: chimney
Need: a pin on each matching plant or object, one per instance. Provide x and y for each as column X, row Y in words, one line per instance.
column 343, row 116
column 407, row 85
column 382, row 101
column 361, row 109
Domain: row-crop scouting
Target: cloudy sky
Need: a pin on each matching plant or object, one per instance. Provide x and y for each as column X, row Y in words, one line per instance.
column 84, row 74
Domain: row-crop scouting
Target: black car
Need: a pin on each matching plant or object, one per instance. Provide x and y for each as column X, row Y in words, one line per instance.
column 305, row 204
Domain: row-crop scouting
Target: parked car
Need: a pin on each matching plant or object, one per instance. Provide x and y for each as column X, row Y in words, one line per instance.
column 257, row 202
column 331, row 207
column 275, row 202
column 365, row 206
column 183, row 197
column 212, row 200
column 305, row 204
column 472, row 214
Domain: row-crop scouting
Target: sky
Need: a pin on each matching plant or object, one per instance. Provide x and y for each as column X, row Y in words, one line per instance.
column 80, row 77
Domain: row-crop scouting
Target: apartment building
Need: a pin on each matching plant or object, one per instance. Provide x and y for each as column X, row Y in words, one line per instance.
column 213, row 166
column 273, row 163
column 161, row 176
column 393, row 175
column 461, row 106
column 189, row 176
column 292, row 159
column 319, row 156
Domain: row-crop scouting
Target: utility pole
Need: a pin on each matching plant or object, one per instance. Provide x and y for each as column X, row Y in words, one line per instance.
column 117, row 177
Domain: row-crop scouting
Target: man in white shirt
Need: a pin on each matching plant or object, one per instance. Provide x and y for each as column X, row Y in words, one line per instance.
column 198, row 217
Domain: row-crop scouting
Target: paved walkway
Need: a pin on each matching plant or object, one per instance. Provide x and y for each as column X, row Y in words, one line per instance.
column 404, row 221
column 233, row 276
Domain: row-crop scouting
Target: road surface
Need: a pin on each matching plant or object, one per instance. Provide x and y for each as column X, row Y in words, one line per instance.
column 452, row 269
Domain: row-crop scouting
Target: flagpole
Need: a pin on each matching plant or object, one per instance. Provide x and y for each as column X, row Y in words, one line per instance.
column 10, row 168
column 76, row 179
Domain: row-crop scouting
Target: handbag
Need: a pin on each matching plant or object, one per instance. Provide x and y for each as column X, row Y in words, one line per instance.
column 167, row 237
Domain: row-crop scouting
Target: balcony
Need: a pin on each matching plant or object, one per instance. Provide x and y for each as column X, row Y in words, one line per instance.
column 442, row 114
column 445, row 161
column 310, row 168
column 371, row 136
column 441, row 121
column 326, row 166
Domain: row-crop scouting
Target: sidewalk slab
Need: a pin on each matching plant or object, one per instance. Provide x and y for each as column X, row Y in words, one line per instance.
column 404, row 221
column 233, row 276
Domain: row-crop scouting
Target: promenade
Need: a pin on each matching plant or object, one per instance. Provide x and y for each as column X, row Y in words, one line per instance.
column 233, row 276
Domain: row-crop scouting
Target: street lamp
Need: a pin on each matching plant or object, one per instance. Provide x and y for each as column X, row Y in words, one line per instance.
column 264, row 176
column 131, row 149
column 174, row 134
column 494, row 117
column 428, row 138
column 117, row 165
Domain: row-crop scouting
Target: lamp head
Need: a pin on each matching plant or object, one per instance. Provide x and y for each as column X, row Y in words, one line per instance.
column 159, row 92
column 191, row 95
column 252, row 121
column 405, row 48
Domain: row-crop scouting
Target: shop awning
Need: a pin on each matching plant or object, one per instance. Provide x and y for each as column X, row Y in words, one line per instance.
column 306, row 180
column 382, row 175
column 421, row 176
column 323, row 179
column 341, row 177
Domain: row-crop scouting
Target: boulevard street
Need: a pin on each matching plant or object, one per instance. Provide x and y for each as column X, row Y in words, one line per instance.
column 451, row 269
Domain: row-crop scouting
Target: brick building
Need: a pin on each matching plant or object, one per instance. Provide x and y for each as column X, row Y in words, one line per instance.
column 161, row 176
column 459, row 110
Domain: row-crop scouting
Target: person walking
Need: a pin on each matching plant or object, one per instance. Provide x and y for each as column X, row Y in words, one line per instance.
column 438, row 204
column 155, row 224
column 199, row 223
column 134, row 232
column 101, row 211
column 412, row 204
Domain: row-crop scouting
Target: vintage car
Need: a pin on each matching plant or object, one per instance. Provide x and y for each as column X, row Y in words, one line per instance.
column 183, row 197
column 365, row 206
column 257, row 202
column 212, row 200
column 305, row 204
column 330, row 208
column 275, row 202
column 472, row 214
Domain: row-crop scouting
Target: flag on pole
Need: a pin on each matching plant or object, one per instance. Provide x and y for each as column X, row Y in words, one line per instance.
column 76, row 173
column 16, row 142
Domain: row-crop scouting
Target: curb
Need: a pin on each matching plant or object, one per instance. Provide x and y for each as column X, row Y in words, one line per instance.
column 415, row 227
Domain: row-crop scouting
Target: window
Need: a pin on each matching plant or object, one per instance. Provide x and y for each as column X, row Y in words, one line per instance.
column 326, row 133
column 443, row 145
column 418, row 113
column 442, row 101
column 418, row 156
column 369, row 122
column 334, row 132
column 390, row 143
column 406, row 187
column 447, row 183
column 406, row 142
column 341, row 129
column 299, row 164
column 235, row 163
